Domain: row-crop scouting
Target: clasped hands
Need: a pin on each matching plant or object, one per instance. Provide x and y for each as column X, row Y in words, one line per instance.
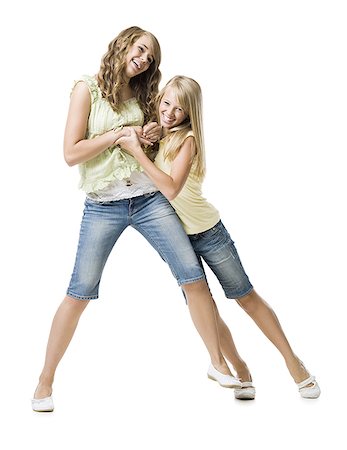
column 133, row 138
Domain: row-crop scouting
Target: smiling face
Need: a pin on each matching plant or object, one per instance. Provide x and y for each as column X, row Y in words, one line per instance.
column 139, row 57
column 171, row 112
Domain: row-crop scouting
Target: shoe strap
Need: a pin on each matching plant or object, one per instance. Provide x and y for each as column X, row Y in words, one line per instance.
column 246, row 384
column 304, row 383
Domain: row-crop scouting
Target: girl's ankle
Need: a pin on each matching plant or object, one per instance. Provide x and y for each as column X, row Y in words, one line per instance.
column 243, row 373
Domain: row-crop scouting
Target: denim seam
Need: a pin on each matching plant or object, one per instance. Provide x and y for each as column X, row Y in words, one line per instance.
column 82, row 297
column 236, row 297
column 191, row 280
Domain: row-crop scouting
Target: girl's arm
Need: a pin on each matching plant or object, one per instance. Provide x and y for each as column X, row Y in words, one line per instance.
column 169, row 185
column 78, row 149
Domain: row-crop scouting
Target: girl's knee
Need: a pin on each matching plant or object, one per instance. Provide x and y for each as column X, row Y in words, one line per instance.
column 194, row 287
column 75, row 304
column 248, row 302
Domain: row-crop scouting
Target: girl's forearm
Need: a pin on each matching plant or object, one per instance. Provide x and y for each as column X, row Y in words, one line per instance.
column 164, row 182
column 86, row 149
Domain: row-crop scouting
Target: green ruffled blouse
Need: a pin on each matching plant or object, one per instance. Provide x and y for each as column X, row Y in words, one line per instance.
column 113, row 163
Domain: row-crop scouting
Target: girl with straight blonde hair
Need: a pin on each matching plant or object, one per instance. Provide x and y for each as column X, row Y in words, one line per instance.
column 178, row 171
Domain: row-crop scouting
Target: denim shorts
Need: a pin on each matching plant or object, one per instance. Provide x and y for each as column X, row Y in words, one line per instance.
column 103, row 223
column 217, row 249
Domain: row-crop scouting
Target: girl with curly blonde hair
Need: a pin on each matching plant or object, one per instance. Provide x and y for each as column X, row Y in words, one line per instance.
column 120, row 194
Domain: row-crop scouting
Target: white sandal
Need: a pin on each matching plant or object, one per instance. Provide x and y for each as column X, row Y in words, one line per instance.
column 227, row 381
column 42, row 404
column 247, row 391
column 309, row 391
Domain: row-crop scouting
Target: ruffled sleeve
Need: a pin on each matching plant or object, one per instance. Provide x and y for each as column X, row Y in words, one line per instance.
column 92, row 84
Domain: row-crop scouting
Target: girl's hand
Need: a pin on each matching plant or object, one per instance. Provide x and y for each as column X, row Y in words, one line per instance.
column 138, row 130
column 152, row 131
column 144, row 140
column 130, row 141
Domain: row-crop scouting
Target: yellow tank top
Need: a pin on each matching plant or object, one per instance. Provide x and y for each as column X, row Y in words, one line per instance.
column 196, row 214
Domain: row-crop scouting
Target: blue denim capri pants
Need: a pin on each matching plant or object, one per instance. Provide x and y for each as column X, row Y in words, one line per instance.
column 103, row 223
column 217, row 249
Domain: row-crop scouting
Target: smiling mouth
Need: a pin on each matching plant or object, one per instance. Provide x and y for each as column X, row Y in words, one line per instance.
column 138, row 66
column 166, row 120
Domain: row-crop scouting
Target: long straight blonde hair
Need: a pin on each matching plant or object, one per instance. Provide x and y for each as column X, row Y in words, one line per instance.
column 189, row 96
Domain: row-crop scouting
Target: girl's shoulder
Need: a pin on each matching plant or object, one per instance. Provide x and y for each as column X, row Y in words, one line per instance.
column 92, row 84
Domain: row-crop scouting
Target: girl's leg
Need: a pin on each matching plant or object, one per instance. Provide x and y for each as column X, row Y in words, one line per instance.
column 202, row 312
column 63, row 328
column 154, row 217
column 229, row 350
column 217, row 248
column 100, row 228
column 267, row 321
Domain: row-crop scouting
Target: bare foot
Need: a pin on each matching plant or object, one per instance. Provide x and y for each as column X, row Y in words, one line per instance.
column 244, row 375
column 43, row 391
column 297, row 370
column 222, row 367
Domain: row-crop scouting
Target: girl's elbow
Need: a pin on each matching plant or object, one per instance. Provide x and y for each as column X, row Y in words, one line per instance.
column 70, row 161
column 171, row 194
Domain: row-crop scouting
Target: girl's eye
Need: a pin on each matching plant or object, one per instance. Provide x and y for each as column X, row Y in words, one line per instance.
column 166, row 103
column 149, row 59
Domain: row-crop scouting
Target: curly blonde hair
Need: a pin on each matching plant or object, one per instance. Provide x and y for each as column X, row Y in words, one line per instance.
column 144, row 85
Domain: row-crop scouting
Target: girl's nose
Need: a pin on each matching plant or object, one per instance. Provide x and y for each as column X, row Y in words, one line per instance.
column 144, row 57
column 170, row 111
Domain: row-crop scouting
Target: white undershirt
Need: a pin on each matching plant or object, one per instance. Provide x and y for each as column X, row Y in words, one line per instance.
column 137, row 184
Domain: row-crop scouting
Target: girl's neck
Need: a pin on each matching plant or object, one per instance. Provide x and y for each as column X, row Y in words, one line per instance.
column 126, row 92
column 164, row 132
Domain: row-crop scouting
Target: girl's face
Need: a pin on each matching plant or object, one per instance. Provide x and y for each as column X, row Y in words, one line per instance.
column 139, row 57
column 171, row 113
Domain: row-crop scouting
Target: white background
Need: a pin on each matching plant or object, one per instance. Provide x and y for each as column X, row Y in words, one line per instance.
column 273, row 75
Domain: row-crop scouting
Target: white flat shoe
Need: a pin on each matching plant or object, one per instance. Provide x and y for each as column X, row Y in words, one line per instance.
column 247, row 391
column 227, row 381
column 42, row 404
column 309, row 391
